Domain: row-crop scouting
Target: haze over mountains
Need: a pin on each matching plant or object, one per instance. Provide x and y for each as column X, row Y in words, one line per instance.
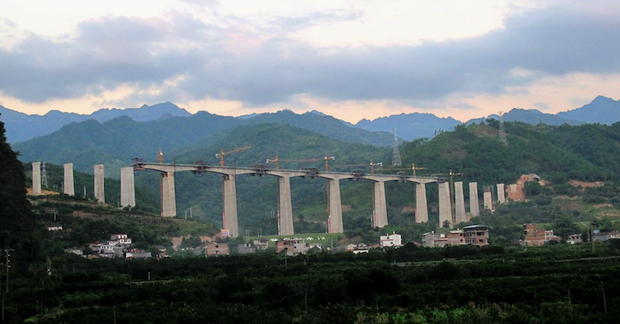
column 22, row 127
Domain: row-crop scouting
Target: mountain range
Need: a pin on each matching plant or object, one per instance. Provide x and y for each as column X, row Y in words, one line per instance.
column 21, row 127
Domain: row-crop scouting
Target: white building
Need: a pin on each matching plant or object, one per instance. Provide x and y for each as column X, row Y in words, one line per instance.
column 391, row 240
column 120, row 238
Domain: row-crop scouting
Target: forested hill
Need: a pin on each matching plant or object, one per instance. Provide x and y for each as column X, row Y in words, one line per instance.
column 115, row 142
column 326, row 125
column 557, row 153
column 257, row 196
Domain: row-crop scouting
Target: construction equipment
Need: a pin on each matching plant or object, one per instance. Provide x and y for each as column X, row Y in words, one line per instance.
column 327, row 158
column 201, row 167
column 413, row 168
column 277, row 161
column 372, row 166
column 222, row 154
column 137, row 163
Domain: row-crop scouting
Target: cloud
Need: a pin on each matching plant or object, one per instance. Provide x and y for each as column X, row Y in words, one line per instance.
column 260, row 66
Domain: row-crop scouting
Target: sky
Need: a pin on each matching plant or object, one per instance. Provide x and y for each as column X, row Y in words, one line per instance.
column 349, row 59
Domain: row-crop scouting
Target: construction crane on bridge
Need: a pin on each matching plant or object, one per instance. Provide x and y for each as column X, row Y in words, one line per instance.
column 277, row 161
column 372, row 165
column 413, row 168
column 222, row 154
column 327, row 158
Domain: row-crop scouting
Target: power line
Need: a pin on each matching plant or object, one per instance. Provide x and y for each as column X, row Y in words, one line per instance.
column 502, row 129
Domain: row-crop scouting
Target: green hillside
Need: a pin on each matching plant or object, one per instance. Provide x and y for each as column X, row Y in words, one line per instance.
column 116, row 141
column 257, row 196
column 476, row 152
column 84, row 188
column 557, row 154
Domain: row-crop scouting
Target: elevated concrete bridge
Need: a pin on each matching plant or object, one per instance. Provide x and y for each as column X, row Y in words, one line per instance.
column 285, row 213
column 285, row 208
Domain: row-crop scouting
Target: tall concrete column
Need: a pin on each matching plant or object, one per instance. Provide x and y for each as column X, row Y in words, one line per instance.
column 36, row 178
column 488, row 198
column 459, row 203
column 501, row 193
column 421, row 207
column 128, row 195
column 229, row 213
column 474, row 204
column 99, row 184
column 335, row 207
column 68, row 187
column 445, row 210
column 168, row 199
column 285, row 208
column 379, row 204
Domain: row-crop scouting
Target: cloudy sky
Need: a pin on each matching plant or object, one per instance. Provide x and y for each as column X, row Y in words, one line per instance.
column 350, row 59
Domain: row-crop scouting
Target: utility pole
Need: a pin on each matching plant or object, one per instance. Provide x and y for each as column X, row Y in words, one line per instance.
column 591, row 232
column 7, row 265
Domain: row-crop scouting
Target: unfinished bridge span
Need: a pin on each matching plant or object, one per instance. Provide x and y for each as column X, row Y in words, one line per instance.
column 285, row 210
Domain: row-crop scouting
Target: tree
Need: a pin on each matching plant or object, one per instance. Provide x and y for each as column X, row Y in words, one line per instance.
column 20, row 231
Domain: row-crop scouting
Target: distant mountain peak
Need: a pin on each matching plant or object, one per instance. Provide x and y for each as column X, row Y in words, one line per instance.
column 315, row 112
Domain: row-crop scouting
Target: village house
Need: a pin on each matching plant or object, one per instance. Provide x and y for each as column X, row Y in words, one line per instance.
column 121, row 238
column 428, row 239
column 246, row 248
column 292, row 247
column 599, row 236
column 538, row 237
column 217, row 249
column 54, row 227
column 391, row 240
column 469, row 235
column 476, row 235
column 455, row 237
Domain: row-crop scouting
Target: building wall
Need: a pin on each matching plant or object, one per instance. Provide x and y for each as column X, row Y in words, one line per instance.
column 476, row 235
column 214, row 249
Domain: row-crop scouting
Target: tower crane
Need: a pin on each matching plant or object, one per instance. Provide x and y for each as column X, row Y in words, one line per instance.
column 222, row 154
column 327, row 158
column 371, row 164
column 277, row 161
column 413, row 168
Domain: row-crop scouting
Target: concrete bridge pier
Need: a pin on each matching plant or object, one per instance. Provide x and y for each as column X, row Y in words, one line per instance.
column 474, row 202
column 501, row 193
column 335, row 207
column 445, row 208
column 36, row 178
column 99, row 184
column 335, row 224
column 229, row 208
column 68, row 187
column 285, row 206
column 168, row 197
column 421, row 206
column 128, row 194
column 379, row 205
column 459, row 203
column 488, row 198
